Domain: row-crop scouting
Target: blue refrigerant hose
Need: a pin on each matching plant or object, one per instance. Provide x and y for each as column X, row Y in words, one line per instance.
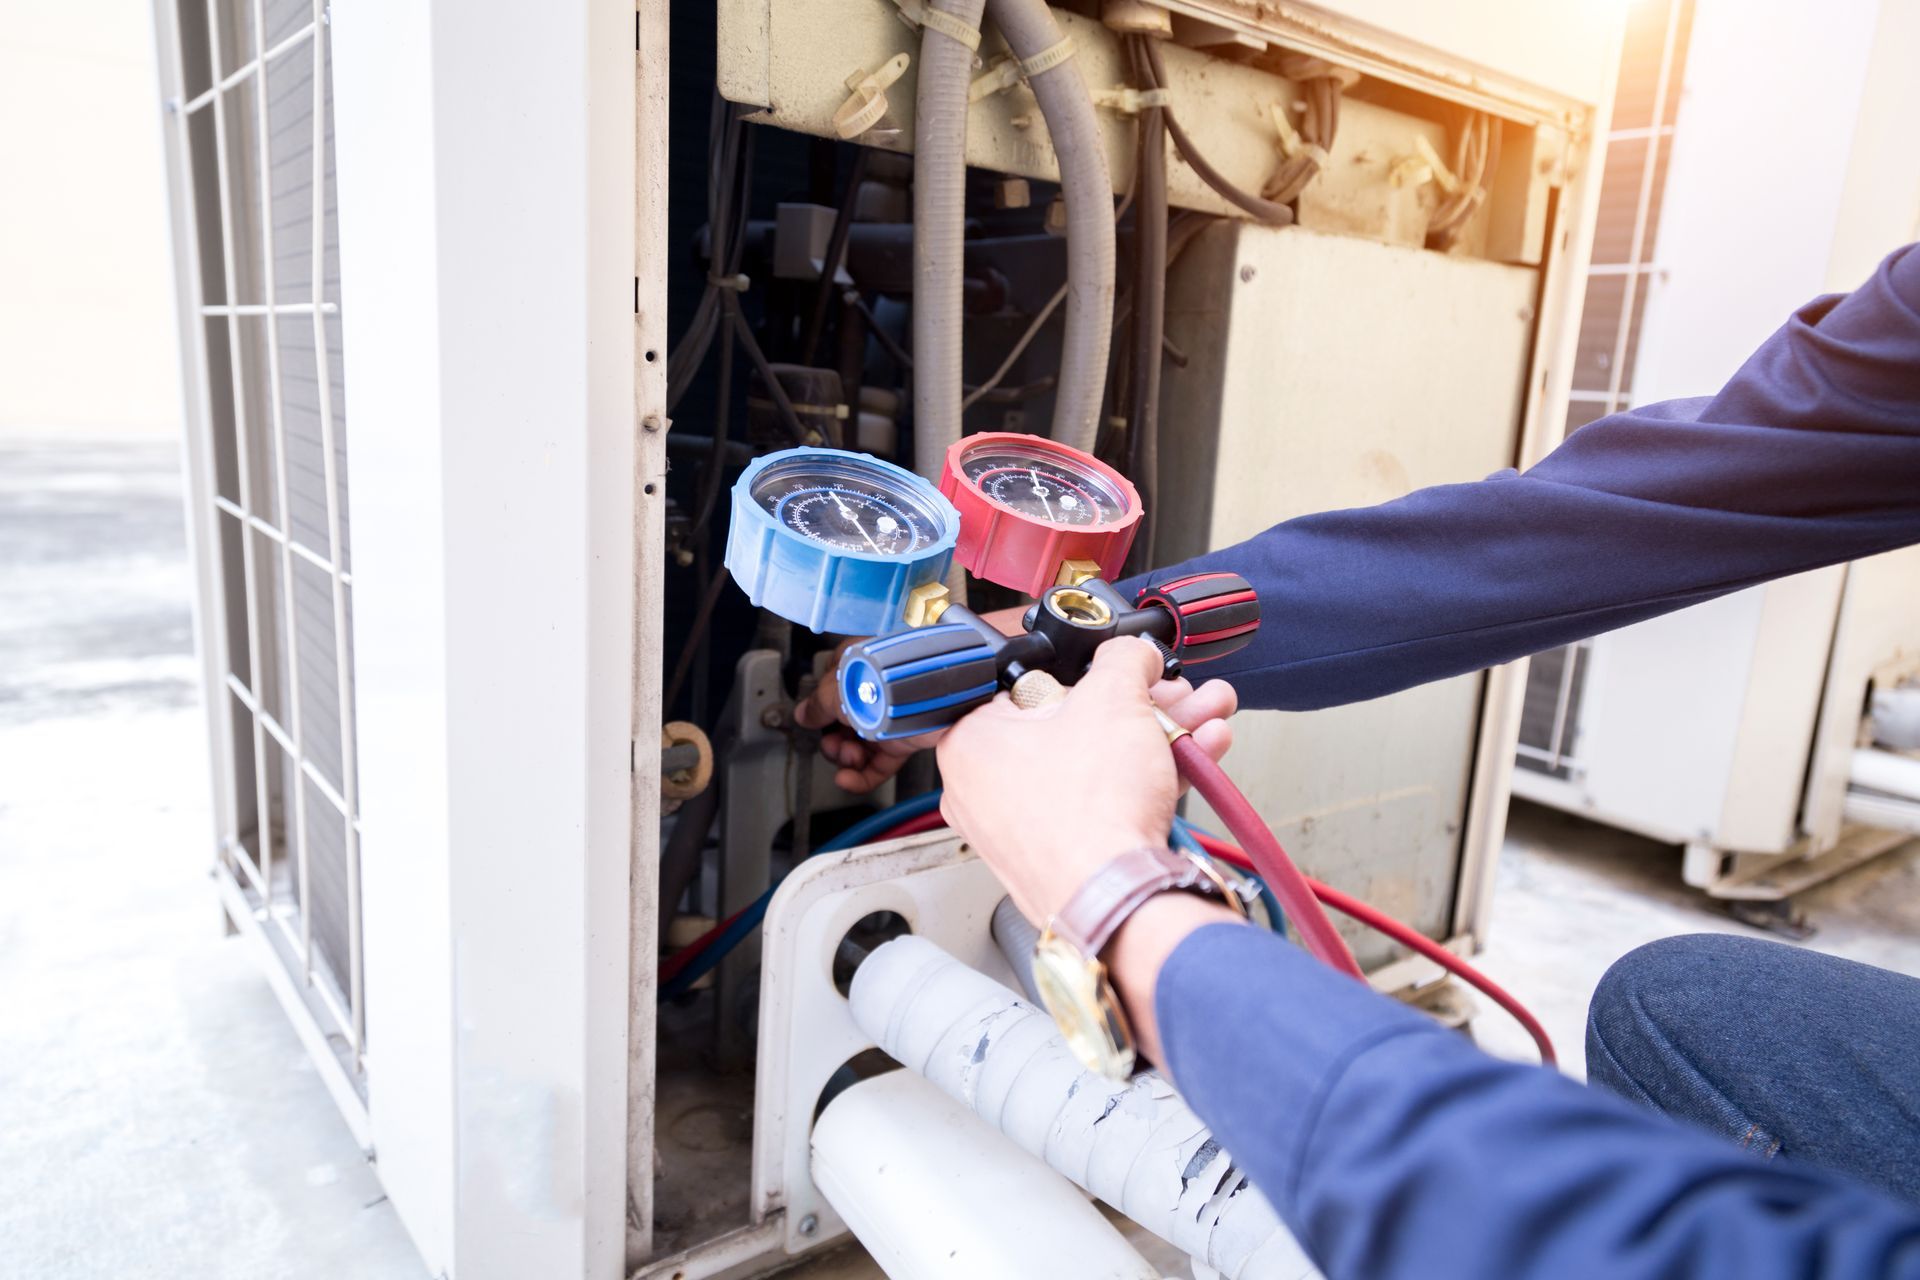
column 868, row 828
column 1182, row 838
column 874, row 824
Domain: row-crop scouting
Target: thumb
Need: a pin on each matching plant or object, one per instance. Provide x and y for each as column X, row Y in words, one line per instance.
column 1125, row 662
column 821, row 707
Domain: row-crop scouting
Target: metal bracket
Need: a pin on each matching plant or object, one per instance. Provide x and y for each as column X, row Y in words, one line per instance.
column 761, row 776
column 758, row 801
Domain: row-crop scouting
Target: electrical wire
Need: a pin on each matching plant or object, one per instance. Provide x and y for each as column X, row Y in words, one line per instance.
column 709, row 600
column 730, row 304
column 1026, row 340
column 698, row 958
column 1407, row 937
column 1149, row 307
column 1259, row 209
column 1472, row 155
column 985, row 394
column 729, row 163
column 836, row 254
column 1320, row 86
column 714, row 470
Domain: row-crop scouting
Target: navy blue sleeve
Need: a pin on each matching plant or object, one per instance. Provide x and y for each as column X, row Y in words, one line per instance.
column 1809, row 456
column 1394, row 1148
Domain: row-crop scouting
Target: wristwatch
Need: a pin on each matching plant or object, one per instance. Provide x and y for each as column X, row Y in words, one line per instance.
column 1067, row 970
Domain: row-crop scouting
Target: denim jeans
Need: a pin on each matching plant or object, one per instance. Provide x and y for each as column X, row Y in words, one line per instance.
column 1786, row 1052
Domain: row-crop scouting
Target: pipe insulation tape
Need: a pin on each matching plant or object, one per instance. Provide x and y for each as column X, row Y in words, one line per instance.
column 1137, row 1145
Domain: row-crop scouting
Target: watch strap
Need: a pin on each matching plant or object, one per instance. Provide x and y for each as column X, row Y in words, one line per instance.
column 1098, row 907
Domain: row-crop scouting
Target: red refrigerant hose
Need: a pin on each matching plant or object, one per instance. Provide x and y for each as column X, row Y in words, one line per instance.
column 1300, row 895
column 1380, row 922
column 1270, row 861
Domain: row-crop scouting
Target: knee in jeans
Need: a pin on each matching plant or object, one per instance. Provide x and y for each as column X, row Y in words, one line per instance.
column 1659, row 976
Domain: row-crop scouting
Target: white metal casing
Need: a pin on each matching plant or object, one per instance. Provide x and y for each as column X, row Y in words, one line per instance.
column 496, row 503
column 1729, row 727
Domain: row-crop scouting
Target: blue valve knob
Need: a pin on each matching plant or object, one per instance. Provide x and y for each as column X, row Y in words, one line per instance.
column 916, row 681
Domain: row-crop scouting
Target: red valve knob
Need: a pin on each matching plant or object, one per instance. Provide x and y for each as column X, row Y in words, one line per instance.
column 1214, row 614
column 1033, row 511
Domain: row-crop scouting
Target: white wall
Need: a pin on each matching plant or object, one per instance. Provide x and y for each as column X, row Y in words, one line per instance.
column 86, row 314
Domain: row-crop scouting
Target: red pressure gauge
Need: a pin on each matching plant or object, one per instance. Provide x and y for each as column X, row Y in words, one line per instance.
column 1031, row 510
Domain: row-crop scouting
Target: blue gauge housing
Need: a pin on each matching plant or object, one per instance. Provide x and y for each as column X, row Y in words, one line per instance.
column 879, row 531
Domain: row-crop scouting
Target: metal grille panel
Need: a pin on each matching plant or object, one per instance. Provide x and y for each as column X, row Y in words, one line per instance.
column 251, row 103
column 1639, row 141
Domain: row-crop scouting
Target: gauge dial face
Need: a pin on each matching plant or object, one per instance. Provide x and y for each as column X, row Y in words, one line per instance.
column 848, row 508
column 1043, row 485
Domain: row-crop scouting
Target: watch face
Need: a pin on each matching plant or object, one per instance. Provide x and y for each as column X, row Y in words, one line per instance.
column 1075, row 991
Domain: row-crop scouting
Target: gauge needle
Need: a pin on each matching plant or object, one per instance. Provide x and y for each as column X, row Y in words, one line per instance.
column 847, row 511
column 1041, row 491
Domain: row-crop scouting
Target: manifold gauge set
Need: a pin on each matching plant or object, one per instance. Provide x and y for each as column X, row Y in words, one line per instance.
column 845, row 543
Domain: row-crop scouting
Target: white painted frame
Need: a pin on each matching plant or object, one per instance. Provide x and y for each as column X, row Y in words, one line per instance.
column 486, row 172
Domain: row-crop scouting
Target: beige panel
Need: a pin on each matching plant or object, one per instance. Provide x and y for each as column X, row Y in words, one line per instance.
column 1564, row 49
column 1328, row 372
column 811, row 46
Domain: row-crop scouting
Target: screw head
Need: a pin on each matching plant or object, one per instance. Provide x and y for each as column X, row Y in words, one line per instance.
column 773, row 717
column 1246, row 274
column 809, row 1225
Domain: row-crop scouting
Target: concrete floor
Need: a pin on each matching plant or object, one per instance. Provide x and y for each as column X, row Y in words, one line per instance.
column 160, row 1117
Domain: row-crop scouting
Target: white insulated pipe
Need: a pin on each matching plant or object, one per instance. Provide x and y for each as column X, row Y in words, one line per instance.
column 939, row 233
column 1136, row 1145
column 1883, row 791
column 1896, row 716
column 935, row 1194
column 1883, row 771
column 1073, row 126
column 939, row 249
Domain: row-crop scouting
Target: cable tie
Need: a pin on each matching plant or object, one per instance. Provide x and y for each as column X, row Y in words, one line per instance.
column 1130, row 101
column 1049, row 58
column 1436, row 167
column 1291, row 143
column 1001, row 76
column 739, row 283
column 868, row 104
column 921, row 13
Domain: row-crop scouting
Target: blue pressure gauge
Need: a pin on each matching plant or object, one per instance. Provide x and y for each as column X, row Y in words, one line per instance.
column 835, row 540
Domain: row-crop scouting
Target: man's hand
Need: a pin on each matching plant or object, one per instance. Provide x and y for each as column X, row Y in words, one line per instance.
column 1048, row 796
column 863, row 765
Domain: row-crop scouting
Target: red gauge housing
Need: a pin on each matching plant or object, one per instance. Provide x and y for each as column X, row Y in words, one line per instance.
column 1030, row 506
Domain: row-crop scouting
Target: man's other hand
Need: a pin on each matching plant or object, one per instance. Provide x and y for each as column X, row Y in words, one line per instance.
column 865, row 765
